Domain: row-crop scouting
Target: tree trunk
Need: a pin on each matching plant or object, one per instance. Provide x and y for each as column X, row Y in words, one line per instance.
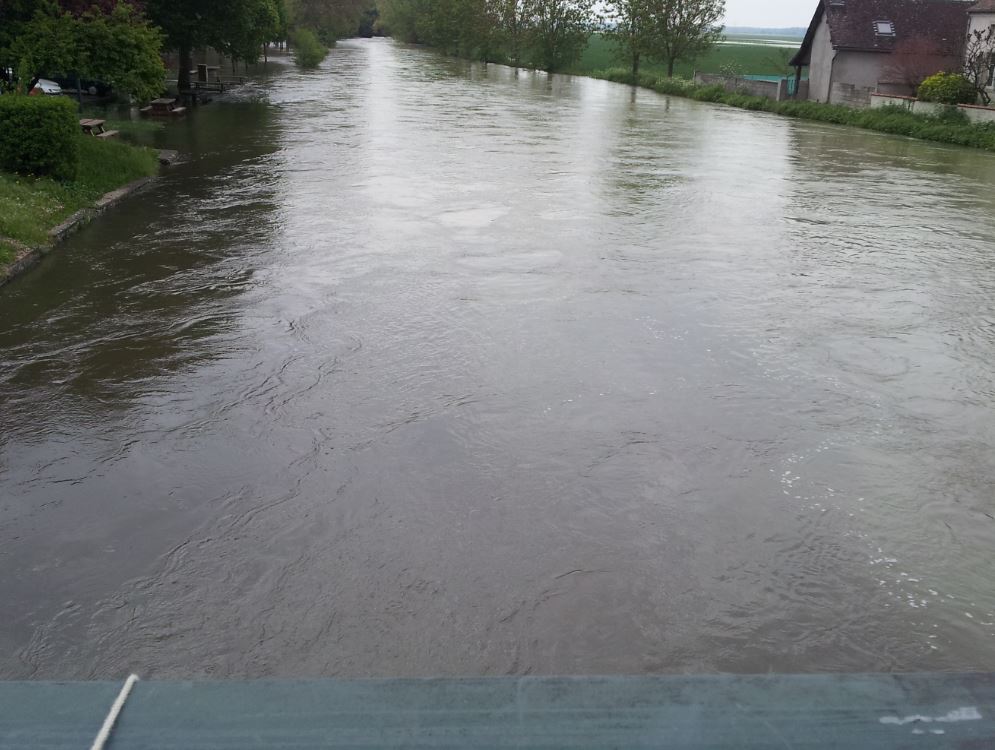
column 635, row 68
column 183, row 75
column 670, row 67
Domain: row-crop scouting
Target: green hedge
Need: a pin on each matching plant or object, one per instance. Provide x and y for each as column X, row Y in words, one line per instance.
column 39, row 135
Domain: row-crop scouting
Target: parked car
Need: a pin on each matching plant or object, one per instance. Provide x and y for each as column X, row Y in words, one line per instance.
column 88, row 86
column 47, row 87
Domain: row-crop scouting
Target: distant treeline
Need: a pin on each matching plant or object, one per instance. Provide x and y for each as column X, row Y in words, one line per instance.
column 552, row 34
column 119, row 41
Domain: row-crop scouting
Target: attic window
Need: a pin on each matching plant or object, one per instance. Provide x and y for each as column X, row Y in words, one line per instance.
column 884, row 28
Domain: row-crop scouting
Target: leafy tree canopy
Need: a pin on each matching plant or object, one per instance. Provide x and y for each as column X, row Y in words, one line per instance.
column 118, row 47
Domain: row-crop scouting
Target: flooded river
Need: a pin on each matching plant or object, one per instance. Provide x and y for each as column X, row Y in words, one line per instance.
column 417, row 367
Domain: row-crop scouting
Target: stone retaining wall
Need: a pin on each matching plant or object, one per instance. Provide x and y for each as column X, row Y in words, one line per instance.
column 973, row 112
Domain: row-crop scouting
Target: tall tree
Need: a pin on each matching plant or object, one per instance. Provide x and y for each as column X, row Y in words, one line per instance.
column 189, row 24
column 478, row 24
column 400, row 18
column 512, row 27
column 256, row 23
column 558, row 31
column 629, row 24
column 331, row 19
column 685, row 29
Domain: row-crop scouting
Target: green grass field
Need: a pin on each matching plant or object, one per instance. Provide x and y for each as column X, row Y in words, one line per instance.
column 741, row 55
column 32, row 206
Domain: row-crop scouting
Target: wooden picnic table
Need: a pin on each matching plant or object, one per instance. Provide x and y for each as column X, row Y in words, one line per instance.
column 92, row 127
column 96, row 128
column 163, row 106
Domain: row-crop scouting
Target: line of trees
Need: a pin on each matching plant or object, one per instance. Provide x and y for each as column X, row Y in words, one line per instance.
column 120, row 41
column 552, row 34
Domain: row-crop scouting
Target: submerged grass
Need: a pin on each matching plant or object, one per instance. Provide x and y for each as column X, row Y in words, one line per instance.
column 119, row 121
column 31, row 206
column 949, row 127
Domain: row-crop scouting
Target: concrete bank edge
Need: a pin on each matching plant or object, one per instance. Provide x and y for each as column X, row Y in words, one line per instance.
column 28, row 257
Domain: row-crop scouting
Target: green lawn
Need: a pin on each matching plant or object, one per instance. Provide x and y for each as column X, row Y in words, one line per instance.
column 32, row 206
column 749, row 57
column 7, row 251
column 129, row 128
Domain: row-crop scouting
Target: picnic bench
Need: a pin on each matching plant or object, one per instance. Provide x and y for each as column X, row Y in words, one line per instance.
column 96, row 128
column 162, row 108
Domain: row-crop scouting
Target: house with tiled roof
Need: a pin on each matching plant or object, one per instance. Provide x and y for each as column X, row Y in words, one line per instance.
column 854, row 48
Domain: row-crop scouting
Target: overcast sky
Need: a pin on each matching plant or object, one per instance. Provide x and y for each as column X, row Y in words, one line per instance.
column 769, row 12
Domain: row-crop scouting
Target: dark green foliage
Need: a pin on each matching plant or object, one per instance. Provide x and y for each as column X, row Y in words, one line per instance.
column 556, row 31
column 308, row 51
column 947, row 88
column 39, row 136
column 119, row 47
column 546, row 34
column 256, row 23
column 329, row 19
column 952, row 116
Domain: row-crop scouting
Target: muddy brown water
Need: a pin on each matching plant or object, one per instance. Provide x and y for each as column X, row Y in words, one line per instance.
column 417, row 367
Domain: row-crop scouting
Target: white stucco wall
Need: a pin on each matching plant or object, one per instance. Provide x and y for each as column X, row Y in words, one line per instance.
column 856, row 76
column 863, row 69
column 978, row 114
column 820, row 68
column 980, row 22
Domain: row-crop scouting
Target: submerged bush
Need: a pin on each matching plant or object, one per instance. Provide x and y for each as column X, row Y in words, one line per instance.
column 308, row 50
column 947, row 88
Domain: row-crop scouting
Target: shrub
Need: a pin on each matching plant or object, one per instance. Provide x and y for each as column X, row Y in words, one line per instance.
column 947, row 88
column 308, row 52
column 39, row 135
column 952, row 116
column 674, row 86
column 714, row 93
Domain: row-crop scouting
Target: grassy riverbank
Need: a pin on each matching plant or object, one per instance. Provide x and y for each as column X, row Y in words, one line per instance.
column 951, row 127
column 33, row 206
